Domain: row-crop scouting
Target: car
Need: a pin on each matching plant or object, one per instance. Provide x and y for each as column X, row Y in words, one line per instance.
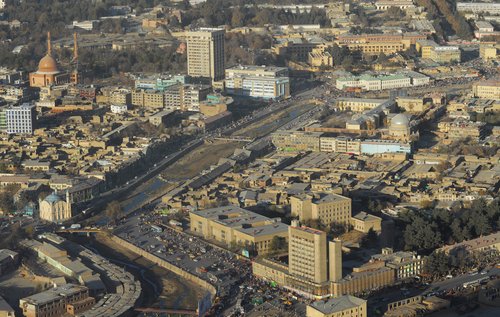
column 449, row 276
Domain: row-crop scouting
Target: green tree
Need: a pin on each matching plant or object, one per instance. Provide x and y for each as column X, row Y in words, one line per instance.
column 421, row 235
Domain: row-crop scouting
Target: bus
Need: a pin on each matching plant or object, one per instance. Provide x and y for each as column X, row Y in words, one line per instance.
column 476, row 282
column 155, row 228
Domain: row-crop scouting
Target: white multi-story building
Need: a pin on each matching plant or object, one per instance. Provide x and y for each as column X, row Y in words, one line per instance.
column 479, row 7
column 393, row 81
column 20, row 119
column 258, row 87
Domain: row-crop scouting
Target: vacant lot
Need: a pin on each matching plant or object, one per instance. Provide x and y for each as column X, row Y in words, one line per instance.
column 199, row 159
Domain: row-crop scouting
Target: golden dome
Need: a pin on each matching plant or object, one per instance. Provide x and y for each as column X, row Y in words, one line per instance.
column 48, row 65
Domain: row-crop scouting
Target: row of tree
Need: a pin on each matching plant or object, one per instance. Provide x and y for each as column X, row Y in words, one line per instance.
column 425, row 231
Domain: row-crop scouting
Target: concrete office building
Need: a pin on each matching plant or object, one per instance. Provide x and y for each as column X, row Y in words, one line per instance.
column 327, row 208
column 307, row 254
column 405, row 264
column 296, row 140
column 479, row 7
column 266, row 82
column 488, row 89
column 205, row 53
column 343, row 306
column 232, row 224
column 20, row 119
column 54, row 302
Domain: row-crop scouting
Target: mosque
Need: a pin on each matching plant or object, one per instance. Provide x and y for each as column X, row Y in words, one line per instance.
column 49, row 74
column 399, row 127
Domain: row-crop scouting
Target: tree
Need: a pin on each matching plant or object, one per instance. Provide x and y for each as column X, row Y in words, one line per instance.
column 421, row 235
column 370, row 240
column 114, row 211
column 395, row 13
column 278, row 244
column 437, row 264
column 238, row 18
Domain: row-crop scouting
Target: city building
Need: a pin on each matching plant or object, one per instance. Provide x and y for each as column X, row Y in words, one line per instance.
column 296, row 140
column 205, row 53
column 479, row 7
column 406, row 265
column 8, row 260
column 215, row 104
column 484, row 243
column 382, row 82
column 148, row 98
column 320, row 57
column 235, row 225
column 256, row 71
column 489, row 51
column 375, row 146
column 411, row 104
column 54, row 209
column 5, row 309
column 48, row 73
column 358, row 104
column 369, row 276
column 266, row 82
column 489, row 89
column 18, row 119
column 399, row 127
column 56, row 301
column 343, row 306
column 363, row 222
column 328, row 208
column 386, row 4
column 439, row 54
column 185, row 97
column 376, row 48
column 307, row 254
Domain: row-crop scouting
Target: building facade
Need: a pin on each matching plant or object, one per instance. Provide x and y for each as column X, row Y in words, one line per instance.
column 307, row 254
column 19, row 119
column 205, row 53
column 327, row 208
column 343, row 306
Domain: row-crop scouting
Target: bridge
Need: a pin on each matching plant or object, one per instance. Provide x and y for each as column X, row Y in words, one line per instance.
column 234, row 138
column 176, row 312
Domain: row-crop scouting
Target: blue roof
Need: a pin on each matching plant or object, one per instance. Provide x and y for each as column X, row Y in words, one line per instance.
column 52, row 198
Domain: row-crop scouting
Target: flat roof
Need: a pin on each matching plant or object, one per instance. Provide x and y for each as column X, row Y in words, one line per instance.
column 53, row 294
column 338, row 304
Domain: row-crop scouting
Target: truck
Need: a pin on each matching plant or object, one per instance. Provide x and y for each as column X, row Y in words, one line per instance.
column 76, row 226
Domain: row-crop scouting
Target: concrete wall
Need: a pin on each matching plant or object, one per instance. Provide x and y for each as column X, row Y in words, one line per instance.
column 166, row 265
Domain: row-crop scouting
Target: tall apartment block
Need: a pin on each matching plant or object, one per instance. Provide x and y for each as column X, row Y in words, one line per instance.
column 205, row 53
column 18, row 119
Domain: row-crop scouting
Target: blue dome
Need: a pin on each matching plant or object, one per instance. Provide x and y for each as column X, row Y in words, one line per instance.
column 52, row 198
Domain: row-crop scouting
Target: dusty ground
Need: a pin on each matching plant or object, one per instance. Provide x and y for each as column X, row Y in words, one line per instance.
column 175, row 292
column 199, row 159
column 17, row 284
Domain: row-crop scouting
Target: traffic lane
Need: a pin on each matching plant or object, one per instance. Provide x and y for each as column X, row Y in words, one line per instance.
column 459, row 280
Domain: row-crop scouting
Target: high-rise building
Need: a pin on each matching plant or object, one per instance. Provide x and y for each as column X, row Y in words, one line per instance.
column 205, row 53
column 18, row 119
column 307, row 254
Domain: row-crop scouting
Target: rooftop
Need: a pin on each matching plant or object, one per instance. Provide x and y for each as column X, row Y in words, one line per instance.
column 339, row 304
